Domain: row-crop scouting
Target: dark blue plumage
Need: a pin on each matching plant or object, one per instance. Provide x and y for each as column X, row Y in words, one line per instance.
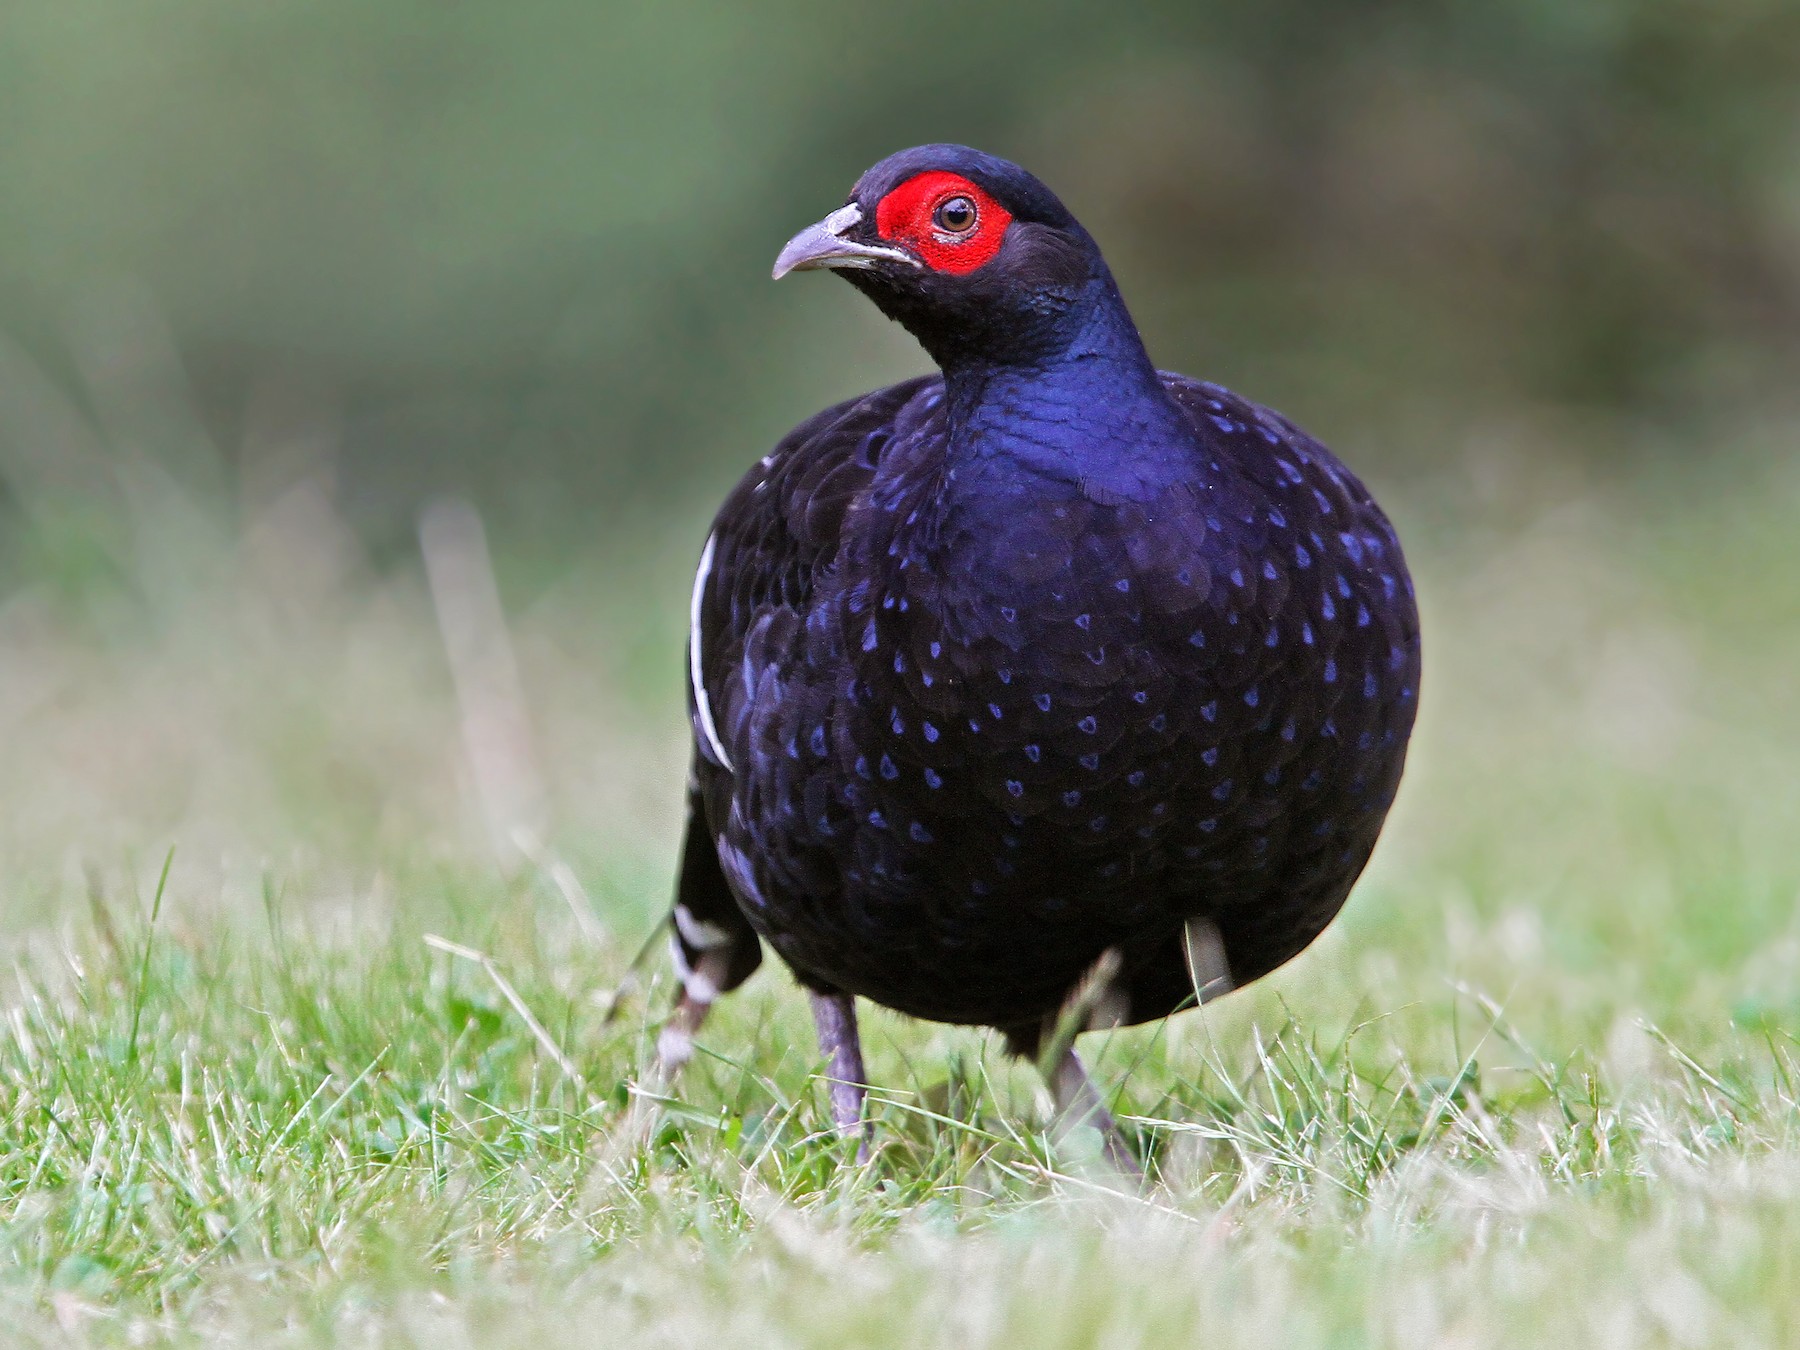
column 1050, row 654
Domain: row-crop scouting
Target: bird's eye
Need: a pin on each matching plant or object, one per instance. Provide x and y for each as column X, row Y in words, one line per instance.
column 956, row 215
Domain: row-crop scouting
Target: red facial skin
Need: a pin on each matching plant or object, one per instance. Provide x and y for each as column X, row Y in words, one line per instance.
column 904, row 216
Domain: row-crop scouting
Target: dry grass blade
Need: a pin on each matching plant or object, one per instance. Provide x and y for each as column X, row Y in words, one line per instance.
column 495, row 726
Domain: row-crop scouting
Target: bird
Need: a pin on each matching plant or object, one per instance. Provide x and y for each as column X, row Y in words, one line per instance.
column 1046, row 692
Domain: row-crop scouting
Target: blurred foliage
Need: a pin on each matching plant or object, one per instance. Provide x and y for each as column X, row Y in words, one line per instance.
column 522, row 251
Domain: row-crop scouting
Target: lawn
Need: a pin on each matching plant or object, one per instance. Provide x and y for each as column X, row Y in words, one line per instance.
column 296, row 1052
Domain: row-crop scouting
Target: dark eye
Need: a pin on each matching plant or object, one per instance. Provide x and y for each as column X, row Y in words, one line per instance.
column 956, row 214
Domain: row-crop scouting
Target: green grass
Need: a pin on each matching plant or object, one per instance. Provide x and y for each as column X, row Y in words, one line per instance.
column 1540, row 1083
column 254, row 1134
column 302, row 1138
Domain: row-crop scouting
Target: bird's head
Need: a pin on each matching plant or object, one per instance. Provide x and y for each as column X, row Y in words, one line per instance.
column 972, row 254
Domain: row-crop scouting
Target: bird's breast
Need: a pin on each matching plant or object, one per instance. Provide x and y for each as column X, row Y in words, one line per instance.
column 1023, row 720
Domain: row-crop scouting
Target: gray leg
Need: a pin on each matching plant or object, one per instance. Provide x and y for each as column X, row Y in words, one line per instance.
column 835, row 1017
column 699, row 988
column 675, row 1044
column 1094, row 1002
column 1078, row 1104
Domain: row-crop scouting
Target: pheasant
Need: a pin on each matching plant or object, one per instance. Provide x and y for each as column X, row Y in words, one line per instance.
column 1050, row 672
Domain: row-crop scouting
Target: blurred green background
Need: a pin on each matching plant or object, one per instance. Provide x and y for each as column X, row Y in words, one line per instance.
column 522, row 251
column 275, row 277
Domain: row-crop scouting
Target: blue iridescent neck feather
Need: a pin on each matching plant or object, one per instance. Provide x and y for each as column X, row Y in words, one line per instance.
column 1091, row 411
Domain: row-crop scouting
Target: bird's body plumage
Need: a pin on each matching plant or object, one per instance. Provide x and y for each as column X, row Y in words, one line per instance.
column 983, row 726
column 1051, row 654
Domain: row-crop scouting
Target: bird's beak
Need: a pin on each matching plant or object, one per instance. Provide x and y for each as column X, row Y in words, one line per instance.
column 827, row 245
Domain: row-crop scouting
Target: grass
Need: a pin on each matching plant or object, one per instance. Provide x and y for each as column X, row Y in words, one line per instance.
column 304, row 1139
column 1540, row 1083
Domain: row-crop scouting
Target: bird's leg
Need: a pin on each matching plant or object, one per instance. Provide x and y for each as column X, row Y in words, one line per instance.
column 1095, row 1001
column 675, row 1043
column 835, row 1016
column 699, row 990
column 1078, row 1105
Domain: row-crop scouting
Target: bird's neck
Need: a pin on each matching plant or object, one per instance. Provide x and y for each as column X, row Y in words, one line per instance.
column 1093, row 412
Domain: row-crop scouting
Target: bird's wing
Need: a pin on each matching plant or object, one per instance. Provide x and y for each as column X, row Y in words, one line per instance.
column 1278, row 456
column 715, row 948
column 757, row 571
column 776, row 532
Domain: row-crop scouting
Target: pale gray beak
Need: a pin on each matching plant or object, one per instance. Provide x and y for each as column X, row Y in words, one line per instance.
column 825, row 245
